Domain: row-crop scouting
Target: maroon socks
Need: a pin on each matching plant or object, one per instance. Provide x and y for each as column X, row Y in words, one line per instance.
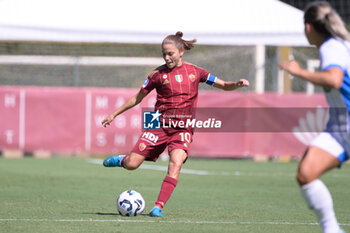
column 166, row 190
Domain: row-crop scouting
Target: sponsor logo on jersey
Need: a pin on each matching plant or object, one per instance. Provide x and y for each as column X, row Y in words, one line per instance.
column 166, row 81
column 192, row 77
column 142, row 146
column 150, row 137
column 178, row 78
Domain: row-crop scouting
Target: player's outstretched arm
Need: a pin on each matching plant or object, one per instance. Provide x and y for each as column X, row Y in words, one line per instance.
column 332, row 77
column 229, row 85
column 133, row 101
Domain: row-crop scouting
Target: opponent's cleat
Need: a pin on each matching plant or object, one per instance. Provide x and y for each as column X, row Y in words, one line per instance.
column 156, row 212
column 113, row 161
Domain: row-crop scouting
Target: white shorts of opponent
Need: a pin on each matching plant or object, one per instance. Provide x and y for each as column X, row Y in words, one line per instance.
column 328, row 143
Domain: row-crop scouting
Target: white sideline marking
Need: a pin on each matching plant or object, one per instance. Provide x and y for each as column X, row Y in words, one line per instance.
column 208, row 173
column 162, row 221
column 199, row 172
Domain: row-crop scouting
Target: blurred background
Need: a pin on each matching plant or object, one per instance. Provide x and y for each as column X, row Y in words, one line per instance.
column 99, row 48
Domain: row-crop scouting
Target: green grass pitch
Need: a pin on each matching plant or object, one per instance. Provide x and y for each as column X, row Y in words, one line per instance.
column 213, row 195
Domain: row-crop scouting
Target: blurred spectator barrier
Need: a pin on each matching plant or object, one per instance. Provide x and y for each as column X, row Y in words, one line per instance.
column 68, row 120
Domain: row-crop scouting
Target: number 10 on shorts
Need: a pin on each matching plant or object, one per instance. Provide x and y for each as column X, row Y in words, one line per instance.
column 185, row 137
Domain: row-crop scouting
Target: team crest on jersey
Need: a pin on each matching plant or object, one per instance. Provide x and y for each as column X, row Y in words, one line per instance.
column 178, row 78
column 192, row 77
column 142, row 146
column 165, row 76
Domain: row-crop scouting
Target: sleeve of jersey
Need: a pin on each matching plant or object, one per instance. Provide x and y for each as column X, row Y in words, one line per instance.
column 333, row 56
column 148, row 85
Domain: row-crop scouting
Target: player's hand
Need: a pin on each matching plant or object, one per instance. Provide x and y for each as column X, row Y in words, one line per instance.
column 292, row 67
column 107, row 121
column 242, row 83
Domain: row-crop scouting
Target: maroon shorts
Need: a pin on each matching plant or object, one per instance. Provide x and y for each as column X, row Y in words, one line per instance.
column 152, row 143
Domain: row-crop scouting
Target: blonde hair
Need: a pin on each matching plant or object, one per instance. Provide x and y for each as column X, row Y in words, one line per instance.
column 325, row 20
column 179, row 42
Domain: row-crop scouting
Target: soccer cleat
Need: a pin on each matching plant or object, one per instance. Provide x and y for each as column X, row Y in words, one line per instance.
column 113, row 161
column 156, row 212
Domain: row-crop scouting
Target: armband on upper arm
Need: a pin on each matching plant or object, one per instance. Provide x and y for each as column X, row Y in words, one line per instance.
column 210, row 80
column 145, row 83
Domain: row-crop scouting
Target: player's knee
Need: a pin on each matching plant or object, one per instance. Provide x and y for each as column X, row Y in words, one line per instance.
column 133, row 161
column 176, row 165
column 174, row 169
column 130, row 165
column 304, row 176
column 300, row 179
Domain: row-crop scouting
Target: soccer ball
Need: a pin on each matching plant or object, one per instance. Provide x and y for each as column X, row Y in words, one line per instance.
column 130, row 203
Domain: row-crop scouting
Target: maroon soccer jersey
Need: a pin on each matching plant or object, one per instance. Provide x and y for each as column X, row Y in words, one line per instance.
column 177, row 89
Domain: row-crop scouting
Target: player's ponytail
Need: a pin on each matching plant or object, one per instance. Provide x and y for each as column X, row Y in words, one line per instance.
column 180, row 43
column 335, row 26
column 325, row 20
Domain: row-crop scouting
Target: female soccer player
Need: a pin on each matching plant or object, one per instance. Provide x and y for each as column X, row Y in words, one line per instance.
column 176, row 83
column 325, row 29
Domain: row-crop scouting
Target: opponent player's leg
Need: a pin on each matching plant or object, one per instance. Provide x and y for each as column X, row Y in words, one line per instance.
column 130, row 161
column 315, row 163
column 177, row 158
